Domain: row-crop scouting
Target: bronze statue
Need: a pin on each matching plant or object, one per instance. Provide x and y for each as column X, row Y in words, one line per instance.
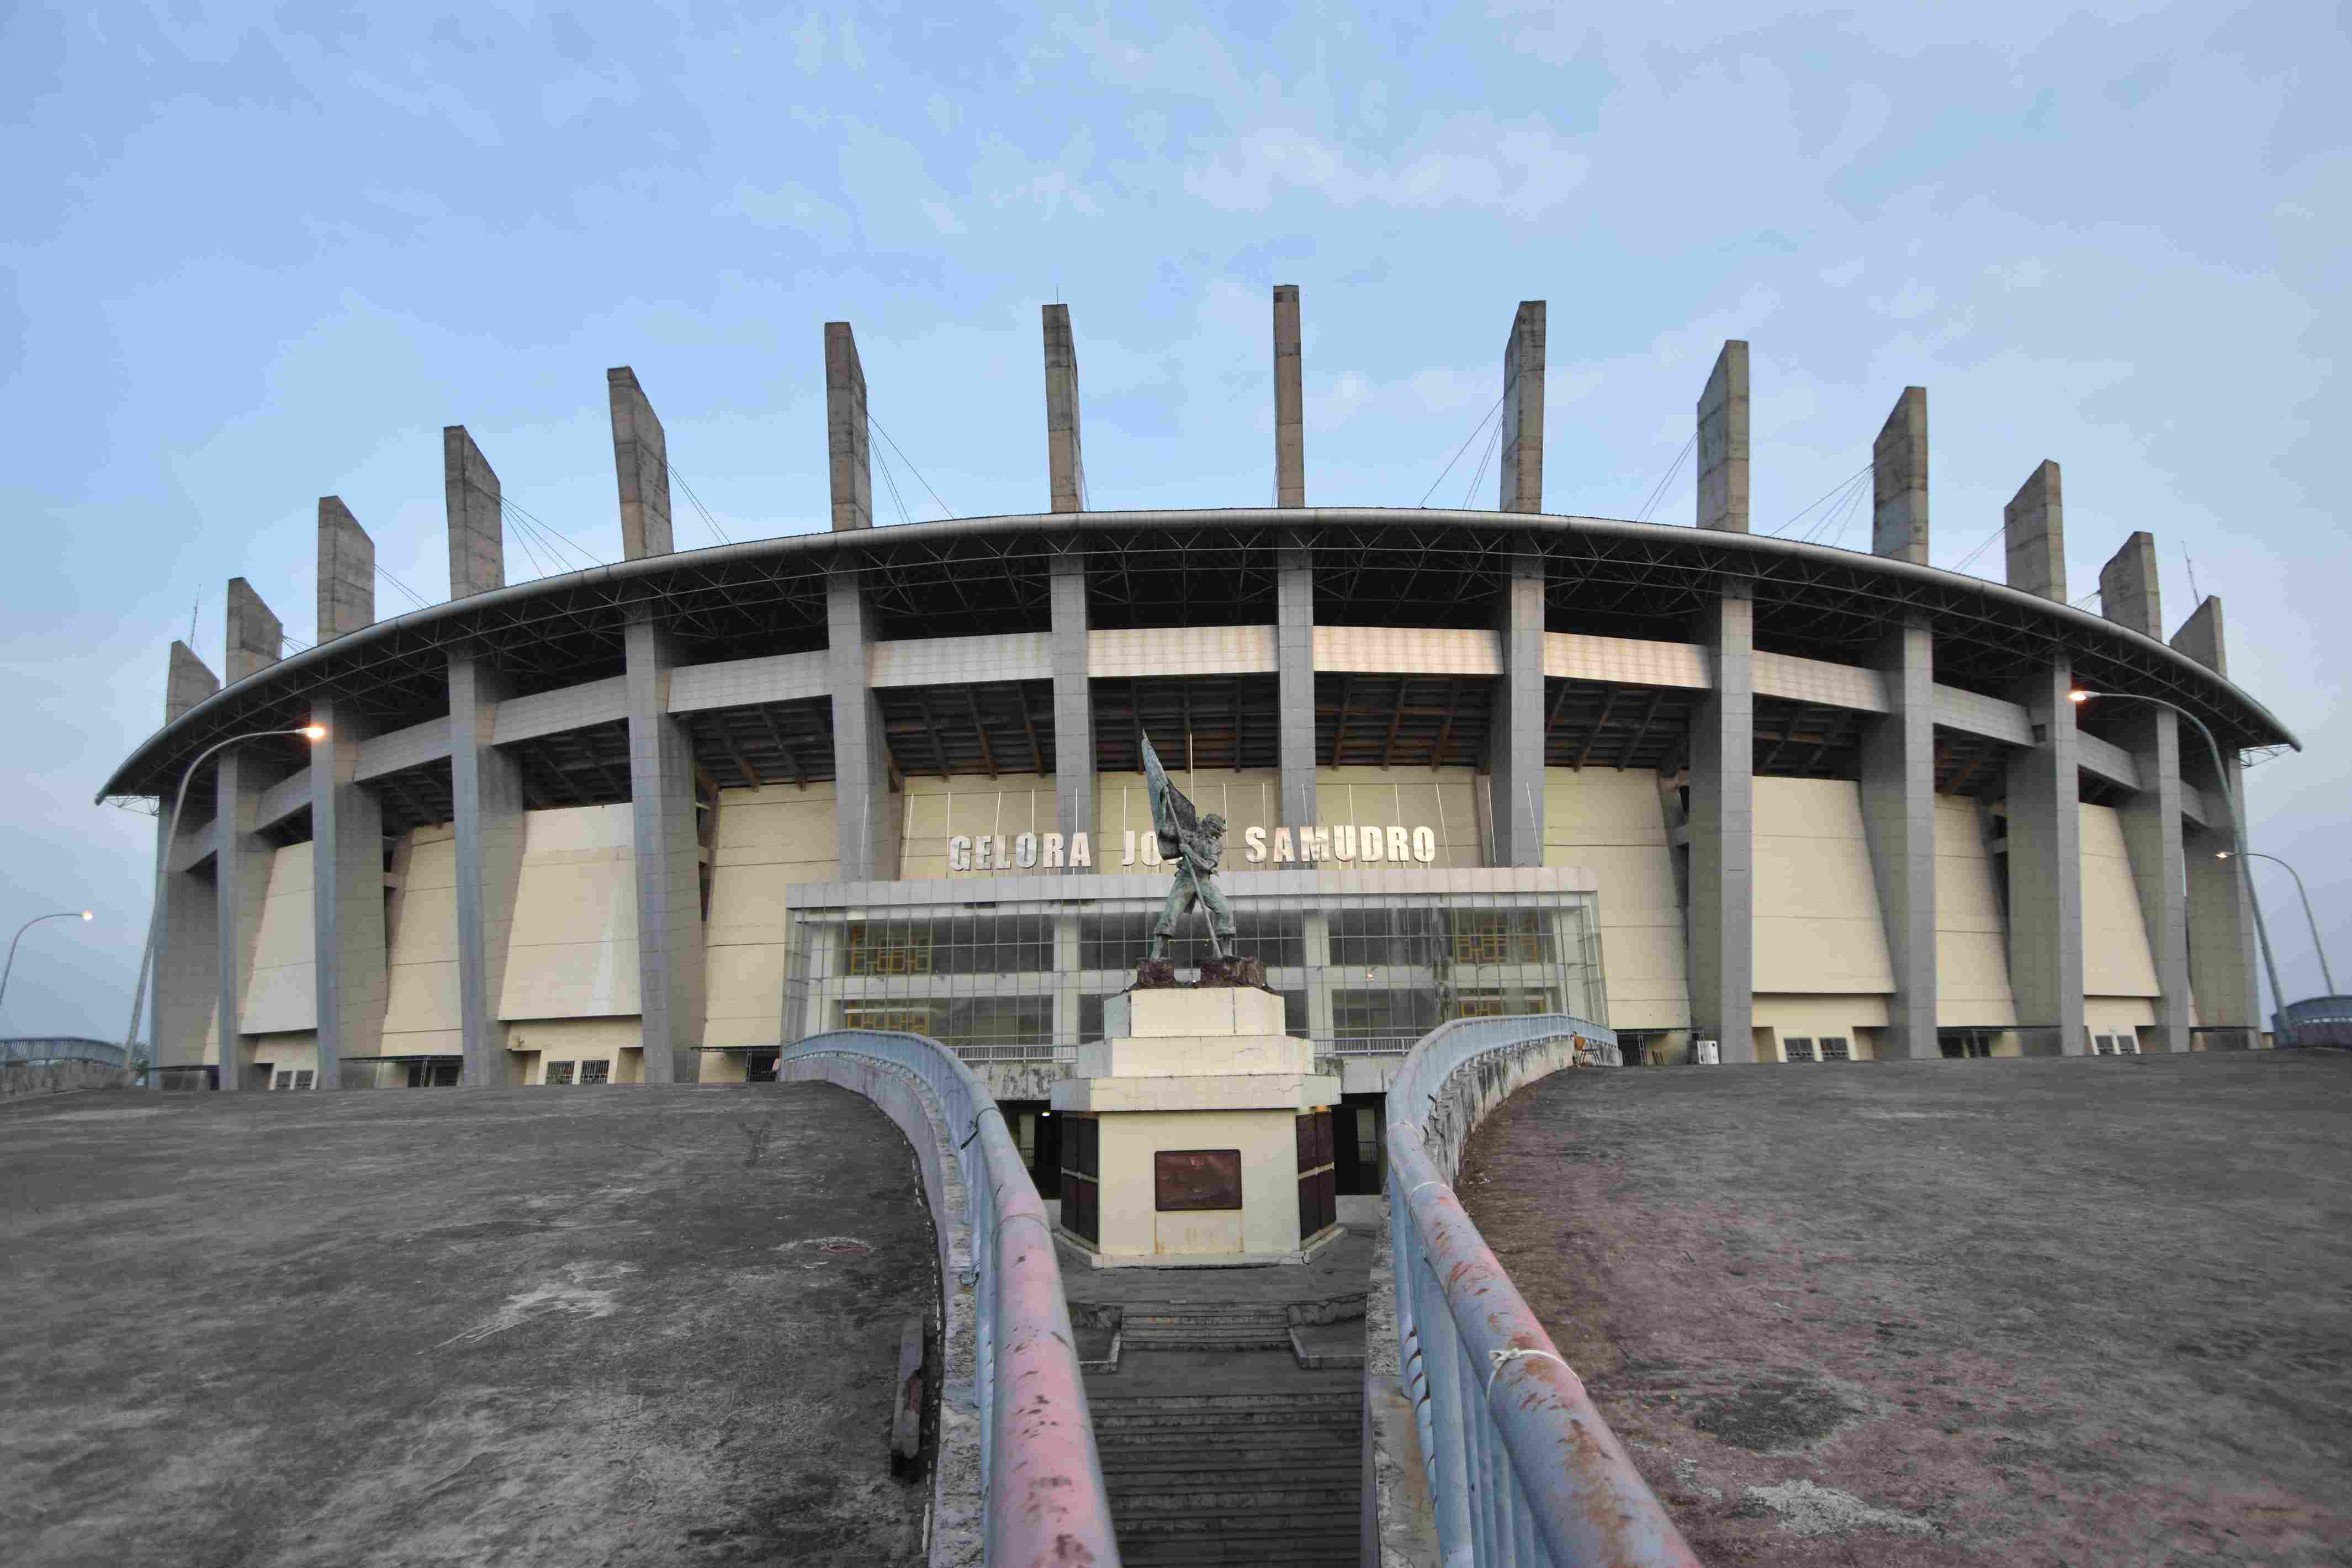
column 1195, row 844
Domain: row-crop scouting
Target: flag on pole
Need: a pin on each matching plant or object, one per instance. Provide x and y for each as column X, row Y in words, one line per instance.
column 1171, row 812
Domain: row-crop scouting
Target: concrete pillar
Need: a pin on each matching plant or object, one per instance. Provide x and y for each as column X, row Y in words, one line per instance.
column 1898, row 818
column 848, row 466
column 2035, row 529
column 1723, row 442
column 2221, row 970
column 1517, row 756
column 241, row 860
column 346, row 572
column 1722, row 824
column 1294, row 665
column 2152, row 833
column 1898, row 481
column 2045, row 869
column 186, row 976
column 2200, row 638
column 1289, row 405
column 187, row 683
column 641, row 460
column 1064, row 457
column 346, row 892
column 668, row 859
column 2129, row 595
column 1315, row 955
column 486, row 791
column 470, row 498
column 255, row 638
column 865, row 804
column 1073, row 713
column 1523, row 410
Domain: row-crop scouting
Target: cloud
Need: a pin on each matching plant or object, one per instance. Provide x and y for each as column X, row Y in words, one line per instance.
column 1470, row 162
column 788, row 207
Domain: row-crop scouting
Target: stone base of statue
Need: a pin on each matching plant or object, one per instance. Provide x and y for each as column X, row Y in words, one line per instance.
column 1196, row 1133
column 1159, row 973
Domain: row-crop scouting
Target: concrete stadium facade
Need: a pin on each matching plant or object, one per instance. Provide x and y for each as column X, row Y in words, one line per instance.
column 653, row 820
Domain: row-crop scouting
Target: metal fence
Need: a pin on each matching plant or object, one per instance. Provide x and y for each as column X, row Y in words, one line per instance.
column 1041, row 1474
column 47, row 1051
column 1522, row 1471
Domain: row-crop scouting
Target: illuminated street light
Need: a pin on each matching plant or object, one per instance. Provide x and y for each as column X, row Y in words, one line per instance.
column 36, row 919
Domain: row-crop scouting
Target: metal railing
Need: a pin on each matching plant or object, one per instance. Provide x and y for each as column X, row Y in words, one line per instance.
column 1041, row 1474
column 1522, row 1469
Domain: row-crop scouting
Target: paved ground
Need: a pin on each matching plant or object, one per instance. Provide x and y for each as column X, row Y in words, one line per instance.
column 2061, row 1311
column 583, row 1326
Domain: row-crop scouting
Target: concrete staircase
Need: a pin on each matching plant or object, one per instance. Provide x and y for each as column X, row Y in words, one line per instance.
column 1205, row 1326
column 1230, row 1454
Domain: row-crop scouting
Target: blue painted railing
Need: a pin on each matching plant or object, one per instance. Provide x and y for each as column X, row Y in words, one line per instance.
column 1522, row 1469
column 1041, row 1478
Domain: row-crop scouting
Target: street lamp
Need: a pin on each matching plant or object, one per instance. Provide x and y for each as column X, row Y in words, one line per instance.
column 2237, row 831
column 313, row 732
column 2306, row 895
column 73, row 915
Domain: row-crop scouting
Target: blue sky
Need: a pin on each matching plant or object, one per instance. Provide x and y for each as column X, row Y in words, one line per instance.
column 255, row 257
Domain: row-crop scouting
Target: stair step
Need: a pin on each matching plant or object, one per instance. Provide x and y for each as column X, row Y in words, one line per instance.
column 1212, row 1450
column 1138, row 1471
column 1349, row 1398
column 1229, row 1525
column 1270, row 1316
column 1319, row 1551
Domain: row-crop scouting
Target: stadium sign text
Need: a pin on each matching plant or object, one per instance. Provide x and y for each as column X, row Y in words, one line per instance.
column 1341, row 843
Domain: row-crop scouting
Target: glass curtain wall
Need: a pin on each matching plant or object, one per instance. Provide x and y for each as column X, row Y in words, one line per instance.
column 1359, row 974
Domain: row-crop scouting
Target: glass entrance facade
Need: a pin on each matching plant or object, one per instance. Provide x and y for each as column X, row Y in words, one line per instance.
column 1017, row 968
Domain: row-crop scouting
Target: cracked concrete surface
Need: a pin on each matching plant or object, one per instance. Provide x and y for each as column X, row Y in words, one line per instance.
column 411, row 1327
column 2046, row 1311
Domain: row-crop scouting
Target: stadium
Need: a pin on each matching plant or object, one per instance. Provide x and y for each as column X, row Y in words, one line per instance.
column 1728, row 794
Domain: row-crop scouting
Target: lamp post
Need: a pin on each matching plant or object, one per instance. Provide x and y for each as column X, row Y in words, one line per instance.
column 2237, row 831
column 2306, row 895
column 164, row 870
column 36, row 919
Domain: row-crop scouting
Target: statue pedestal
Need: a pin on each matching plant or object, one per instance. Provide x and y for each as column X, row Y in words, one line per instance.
column 1196, row 1133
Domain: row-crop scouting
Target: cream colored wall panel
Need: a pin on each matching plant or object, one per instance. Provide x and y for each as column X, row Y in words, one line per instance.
column 282, row 991
column 768, row 839
column 422, row 1011
column 1245, row 799
column 617, row 1040
column 744, row 984
column 1613, row 824
column 1179, row 650
column 2118, row 1014
column 2115, row 959
column 1822, row 684
column 972, row 806
column 574, row 949
column 1629, row 661
column 943, row 661
column 1407, row 650
column 1828, row 1014
column 1817, row 927
column 1971, row 946
column 293, row 1051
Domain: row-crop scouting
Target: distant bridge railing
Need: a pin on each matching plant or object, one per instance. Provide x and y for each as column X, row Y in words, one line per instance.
column 1521, row 1469
column 1039, row 1485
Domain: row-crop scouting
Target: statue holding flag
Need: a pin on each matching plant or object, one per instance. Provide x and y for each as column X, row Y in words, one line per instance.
column 1194, row 844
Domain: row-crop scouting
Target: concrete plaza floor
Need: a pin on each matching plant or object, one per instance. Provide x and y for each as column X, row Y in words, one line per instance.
column 593, row 1325
column 2027, row 1311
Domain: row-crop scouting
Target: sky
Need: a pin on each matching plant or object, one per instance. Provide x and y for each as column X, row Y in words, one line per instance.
column 257, row 255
